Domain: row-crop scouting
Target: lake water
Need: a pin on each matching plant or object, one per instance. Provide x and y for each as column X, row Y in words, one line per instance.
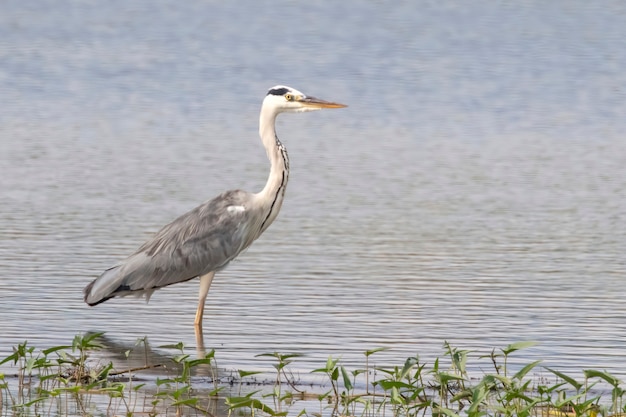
column 474, row 191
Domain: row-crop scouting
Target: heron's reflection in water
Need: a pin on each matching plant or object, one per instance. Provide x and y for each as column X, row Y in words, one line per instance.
column 161, row 368
column 146, row 362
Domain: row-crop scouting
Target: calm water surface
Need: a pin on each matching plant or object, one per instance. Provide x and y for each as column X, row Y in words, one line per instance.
column 474, row 191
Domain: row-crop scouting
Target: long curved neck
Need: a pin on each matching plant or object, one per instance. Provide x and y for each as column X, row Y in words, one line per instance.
column 274, row 191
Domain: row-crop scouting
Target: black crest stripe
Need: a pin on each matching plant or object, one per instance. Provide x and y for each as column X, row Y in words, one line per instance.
column 278, row 91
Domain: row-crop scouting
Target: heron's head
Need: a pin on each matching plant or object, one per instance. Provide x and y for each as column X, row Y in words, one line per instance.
column 286, row 99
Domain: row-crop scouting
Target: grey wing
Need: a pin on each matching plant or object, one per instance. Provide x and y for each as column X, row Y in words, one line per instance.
column 202, row 240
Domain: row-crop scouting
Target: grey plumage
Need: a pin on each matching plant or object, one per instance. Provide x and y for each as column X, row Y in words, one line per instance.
column 205, row 239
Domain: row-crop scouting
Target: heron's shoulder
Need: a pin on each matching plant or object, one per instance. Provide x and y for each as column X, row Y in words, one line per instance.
column 232, row 201
column 232, row 197
column 214, row 218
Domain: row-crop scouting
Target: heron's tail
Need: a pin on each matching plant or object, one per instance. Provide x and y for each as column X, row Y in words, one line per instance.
column 126, row 278
column 104, row 287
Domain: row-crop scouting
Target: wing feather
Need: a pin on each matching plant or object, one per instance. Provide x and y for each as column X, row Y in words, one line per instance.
column 204, row 239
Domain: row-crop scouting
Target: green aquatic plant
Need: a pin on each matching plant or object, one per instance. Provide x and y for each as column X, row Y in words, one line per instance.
column 73, row 379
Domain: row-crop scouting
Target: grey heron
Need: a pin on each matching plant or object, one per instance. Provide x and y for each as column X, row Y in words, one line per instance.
column 204, row 240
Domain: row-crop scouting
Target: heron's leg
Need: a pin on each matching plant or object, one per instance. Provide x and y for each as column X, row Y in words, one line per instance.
column 205, row 284
column 200, row 349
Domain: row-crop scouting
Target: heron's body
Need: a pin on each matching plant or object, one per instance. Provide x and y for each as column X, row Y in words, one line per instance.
column 205, row 239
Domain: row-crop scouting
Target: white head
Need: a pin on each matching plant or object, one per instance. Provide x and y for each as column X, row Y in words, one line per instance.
column 281, row 99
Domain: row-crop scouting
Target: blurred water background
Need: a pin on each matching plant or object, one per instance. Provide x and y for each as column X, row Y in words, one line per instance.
column 473, row 192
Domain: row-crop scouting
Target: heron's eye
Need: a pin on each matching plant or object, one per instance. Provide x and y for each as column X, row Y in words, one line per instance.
column 288, row 97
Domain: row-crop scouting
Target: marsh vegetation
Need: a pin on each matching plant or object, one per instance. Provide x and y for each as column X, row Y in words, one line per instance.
column 76, row 379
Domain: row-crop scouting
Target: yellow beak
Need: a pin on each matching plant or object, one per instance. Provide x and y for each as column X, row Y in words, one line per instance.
column 320, row 104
